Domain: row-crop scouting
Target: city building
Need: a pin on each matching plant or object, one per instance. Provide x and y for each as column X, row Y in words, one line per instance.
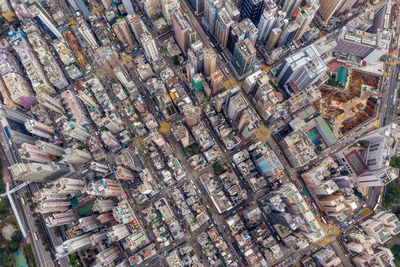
column 382, row 226
column 327, row 257
column 223, row 27
column 59, row 219
column 328, row 8
column 301, row 70
column 243, row 56
column 192, row 115
column 370, row 167
column 184, row 33
column 236, row 104
column 103, row 205
column 273, row 38
column 124, row 35
column 149, row 46
column 252, row 9
column 267, row 22
column 18, row 90
column 50, row 102
column 217, row 81
column 210, row 62
column 71, row 245
column 124, row 173
column 76, row 156
column 38, row 172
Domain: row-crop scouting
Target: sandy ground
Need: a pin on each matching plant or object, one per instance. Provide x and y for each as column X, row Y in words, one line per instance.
column 7, row 231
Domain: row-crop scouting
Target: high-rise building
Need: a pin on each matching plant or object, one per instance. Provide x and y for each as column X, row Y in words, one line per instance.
column 103, row 205
column 222, row 27
column 71, row 245
column 107, row 256
column 168, row 7
column 273, row 38
column 50, row 148
column 121, row 28
column 252, row 9
column 251, row 32
column 38, row 172
column 327, row 257
column 77, row 156
column 328, row 8
column 184, row 33
column 75, row 131
column 243, row 56
column 105, row 217
column 67, row 186
column 18, row 89
column 109, row 139
column 98, row 167
column 287, row 36
column 371, row 168
column 247, row 123
column 236, row 104
column 50, row 102
column 33, row 153
column 217, row 81
column 192, row 115
column 238, row 33
column 106, row 188
column 124, row 173
column 382, row 226
column 149, row 46
column 85, row 31
column 305, row 16
column 45, row 18
column 137, row 25
column 117, row 232
column 289, row 7
column 301, row 70
column 12, row 123
column 211, row 8
column 210, row 62
column 267, row 22
column 152, row 8
column 50, row 65
column 197, row 82
column 63, row 218
column 198, row 6
column 89, row 223
column 40, row 129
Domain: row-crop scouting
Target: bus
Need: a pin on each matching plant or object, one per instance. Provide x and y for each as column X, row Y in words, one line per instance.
column 306, row 192
column 35, row 236
column 23, row 201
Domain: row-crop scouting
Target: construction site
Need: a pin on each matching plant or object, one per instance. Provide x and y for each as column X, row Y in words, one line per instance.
column 351, row 105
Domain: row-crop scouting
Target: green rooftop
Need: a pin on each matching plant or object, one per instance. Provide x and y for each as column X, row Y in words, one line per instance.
column 342, row 75
column 327, row 130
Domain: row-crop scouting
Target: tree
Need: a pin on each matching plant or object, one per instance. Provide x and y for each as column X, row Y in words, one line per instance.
column 396, row 252
column 395, row 162
column 177, row 61
column 218, row 168
column 15, row 241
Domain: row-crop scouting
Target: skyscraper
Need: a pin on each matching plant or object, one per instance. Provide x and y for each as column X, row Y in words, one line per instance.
column 38, row 172
column 328, row 8
column 301, row 70
column 149, row 46
column 288, row 35
column 252, row 9
column 17, row 85
column 198, row 6
column 289, row 7
column 192, row 115
column 273, row 38
column 305, row 16
column 217, row 81
column 103, row 205
column 267, row 21
column 77, row 156
column 184, row 33
column 121, row 28
column 210, row 62
column 243, row 56
column 222, row 27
